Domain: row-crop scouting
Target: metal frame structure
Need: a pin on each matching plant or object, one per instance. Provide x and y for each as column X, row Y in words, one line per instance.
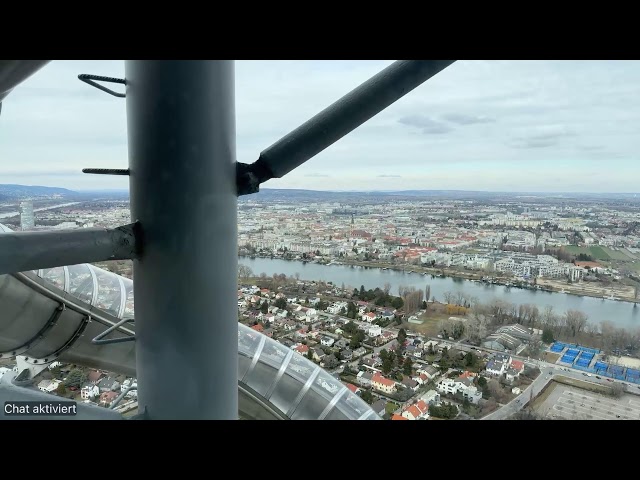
column 184, row 183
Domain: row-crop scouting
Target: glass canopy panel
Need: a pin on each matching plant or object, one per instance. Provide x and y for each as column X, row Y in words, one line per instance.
column 81, row 282
column 353, row 406
column 248, row 342
column 266, row 370
column 109, row 293
column 128, row 305
column 55, row 276
column 323, row 389
column 290, row 384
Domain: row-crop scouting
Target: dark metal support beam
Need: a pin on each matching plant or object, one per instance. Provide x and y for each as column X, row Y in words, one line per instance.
column 337, row 120
column 23, row 251
column 14, row 72
column 182, row 176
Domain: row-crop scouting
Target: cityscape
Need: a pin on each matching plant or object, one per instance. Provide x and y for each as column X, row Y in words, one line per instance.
column 419, row 344
column 319, row 240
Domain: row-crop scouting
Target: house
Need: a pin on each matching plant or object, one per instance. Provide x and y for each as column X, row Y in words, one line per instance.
column 429, row 371
column 417, row 411
column 327, row 341
column 353, row 388
column 432, row 397
column 374, row 331
column 371, row 362
column 398, row 417
column 302, row 349
column 383, row 384
column 364, row 378
column 360, row 351
column 387, row 315
column 369, row 317
column 48, row 386
column 410, row 383
column 495, row 368
column 318, row 354
column 94, row 376
column 379, row 407
column 346, row 354
column 465, row 388
column 108, row 384
column 107, row 398
column 258, row 328
column 89, row 391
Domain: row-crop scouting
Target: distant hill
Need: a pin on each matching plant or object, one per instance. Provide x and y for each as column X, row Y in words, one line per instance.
column 283, row 194
column 11, row 191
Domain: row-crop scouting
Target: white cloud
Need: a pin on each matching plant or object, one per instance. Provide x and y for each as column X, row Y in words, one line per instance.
column 481, row 125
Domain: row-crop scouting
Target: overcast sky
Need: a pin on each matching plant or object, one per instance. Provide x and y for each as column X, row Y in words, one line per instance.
column 569, row 126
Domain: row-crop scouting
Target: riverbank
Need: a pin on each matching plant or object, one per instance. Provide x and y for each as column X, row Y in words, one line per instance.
column 620, row 292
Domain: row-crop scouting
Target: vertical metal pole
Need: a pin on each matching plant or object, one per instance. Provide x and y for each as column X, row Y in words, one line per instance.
column 181, row 134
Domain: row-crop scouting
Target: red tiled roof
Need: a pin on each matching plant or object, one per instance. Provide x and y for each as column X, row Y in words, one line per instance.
column 377, row 378
column 258, row 328
column 398, row 417
column 517, row 364
column 352, row 387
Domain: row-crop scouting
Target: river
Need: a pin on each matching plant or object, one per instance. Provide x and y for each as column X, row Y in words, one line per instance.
column 35, row 210
column 622, row 314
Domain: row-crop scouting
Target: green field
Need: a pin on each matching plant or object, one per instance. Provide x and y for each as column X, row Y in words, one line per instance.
column 596, row 252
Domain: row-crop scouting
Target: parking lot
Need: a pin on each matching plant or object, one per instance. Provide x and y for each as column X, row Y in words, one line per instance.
column 571, row 403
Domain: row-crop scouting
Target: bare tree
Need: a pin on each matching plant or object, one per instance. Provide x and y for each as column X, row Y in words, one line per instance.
column 476, row 328
column 448, row 297
column 575, row 321
column 297, row 275
column 263, row 276
column 244, row 272
column 387, row 288
column 427, row 292
column 460, row 298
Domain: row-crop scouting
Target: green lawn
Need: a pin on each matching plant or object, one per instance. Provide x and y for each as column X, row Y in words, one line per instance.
column 391, row 407
column 617, row 255
column 596, row 252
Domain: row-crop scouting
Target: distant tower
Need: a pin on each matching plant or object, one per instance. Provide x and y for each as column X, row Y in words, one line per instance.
column 27, row 221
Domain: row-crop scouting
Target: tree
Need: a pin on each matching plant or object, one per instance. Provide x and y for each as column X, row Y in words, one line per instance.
column 469, row 359
column 427, row 292
column 387, row 288
column 75, row 378
column 60, row 389
column 244, row 272
column 356, row 340
column 264, row 308
column 407, row 367
column 575, row 321
column 547, row 335
column 402, row 336
column 482, row 382
column 367, row 397
column 350, row 328
column 397, row 303
column 281, row 303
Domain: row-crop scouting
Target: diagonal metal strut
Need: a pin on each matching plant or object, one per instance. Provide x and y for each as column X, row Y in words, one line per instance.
column 335, row 121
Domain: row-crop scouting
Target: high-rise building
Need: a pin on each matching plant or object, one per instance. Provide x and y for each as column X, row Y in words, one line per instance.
column 27, row 220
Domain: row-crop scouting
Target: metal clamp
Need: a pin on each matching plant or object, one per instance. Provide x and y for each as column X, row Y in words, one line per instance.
column 98, row 340
column 89, row 79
